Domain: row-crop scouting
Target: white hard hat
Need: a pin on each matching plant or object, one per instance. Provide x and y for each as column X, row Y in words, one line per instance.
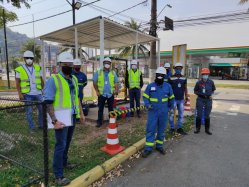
column 77, row 62
column 107, row 59
column 133, row 62
column 28, row 54
column 65, row 57
column 167, row 65
column 178, row 64
column 161, row 70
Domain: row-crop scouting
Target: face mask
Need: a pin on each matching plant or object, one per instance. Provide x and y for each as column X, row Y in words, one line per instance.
column 178, row 72
column 205, row 77
column 159, row 80
column 67, row 70
column 134, row 67
column 107, row 66
column 77, row 69
column 29, row 61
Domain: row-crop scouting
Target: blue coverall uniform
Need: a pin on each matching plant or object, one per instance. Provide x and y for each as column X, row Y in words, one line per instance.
column 158, row 99
column 82, row 82
column 178, row 85
column 204, row 90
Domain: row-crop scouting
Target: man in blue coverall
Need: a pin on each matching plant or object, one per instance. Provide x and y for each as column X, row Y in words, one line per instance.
column 179, row 86
column 168, row 72
column 158, row 99
column 204, row 89
column 82, row 78
column 105, row 82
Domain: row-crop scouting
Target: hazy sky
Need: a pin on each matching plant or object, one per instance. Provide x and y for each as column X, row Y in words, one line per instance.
column 196, row 37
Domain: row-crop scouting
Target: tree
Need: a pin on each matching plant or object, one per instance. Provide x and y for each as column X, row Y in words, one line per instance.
column 18, row 3
column 243, row 1
column 9, row 16
column 126, row 51
column 30, row 45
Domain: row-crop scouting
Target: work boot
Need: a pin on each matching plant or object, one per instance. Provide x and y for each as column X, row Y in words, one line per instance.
column 207, row 126
column 161, row 150
column 171, row 131
column 98, row 125
column 181, row 131
column 198, row 125
column 62, row 181
column 146, row 153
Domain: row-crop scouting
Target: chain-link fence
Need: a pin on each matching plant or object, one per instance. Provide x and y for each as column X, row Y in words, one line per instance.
column 23, row 143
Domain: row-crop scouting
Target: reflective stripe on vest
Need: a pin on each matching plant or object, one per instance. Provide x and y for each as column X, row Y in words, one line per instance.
column 101, row 81
column 25, row 79
column 63, row 96
column 134, row 78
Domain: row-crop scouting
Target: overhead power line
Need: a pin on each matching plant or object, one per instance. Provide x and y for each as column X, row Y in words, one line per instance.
column 128, row 8
column 52, row 15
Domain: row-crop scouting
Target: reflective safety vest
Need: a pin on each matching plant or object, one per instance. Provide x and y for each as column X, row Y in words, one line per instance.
column 25, row 79
column 134, row 78
column 101, row 80
column 63, row 96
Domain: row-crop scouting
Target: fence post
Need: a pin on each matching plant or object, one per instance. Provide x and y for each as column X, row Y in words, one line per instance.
column 45, row 144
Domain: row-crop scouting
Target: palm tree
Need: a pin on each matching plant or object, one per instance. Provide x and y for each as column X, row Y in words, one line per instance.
column 243, row 1
column 126, row 51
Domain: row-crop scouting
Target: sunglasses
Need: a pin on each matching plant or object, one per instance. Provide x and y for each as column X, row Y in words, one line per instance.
column 31, row 58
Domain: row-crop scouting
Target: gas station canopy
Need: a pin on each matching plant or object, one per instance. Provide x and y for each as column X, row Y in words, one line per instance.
column 89, row 33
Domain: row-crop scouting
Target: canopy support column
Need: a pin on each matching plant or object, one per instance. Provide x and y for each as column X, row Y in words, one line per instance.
column 102, row 40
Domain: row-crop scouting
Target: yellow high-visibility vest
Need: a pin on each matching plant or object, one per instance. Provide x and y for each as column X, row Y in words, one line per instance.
column 134, row 78
column 25, row 79
column 101, row 80
column 63, row 96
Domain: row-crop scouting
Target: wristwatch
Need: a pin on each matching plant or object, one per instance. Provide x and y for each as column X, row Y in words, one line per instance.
column 54, row 121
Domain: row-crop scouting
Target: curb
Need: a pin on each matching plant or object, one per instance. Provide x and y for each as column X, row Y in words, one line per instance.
column 99, row 171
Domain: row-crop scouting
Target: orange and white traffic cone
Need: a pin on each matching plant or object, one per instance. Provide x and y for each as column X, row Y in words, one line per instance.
column 112, row 147
column 187, row 104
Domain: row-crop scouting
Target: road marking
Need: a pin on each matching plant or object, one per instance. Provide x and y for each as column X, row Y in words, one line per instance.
column 235, row 108
column 231, row 114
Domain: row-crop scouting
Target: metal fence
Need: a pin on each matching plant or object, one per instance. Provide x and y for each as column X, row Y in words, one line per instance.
column 23, row 152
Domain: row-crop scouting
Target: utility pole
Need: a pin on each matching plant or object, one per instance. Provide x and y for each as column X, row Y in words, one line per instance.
column 153, row 28
column 6, row 48
column 73, row 7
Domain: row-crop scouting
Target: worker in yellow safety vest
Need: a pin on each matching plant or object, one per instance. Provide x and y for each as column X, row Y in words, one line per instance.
column 29, row 84
column 134, row 83
column 105, row 82
column 61, row 94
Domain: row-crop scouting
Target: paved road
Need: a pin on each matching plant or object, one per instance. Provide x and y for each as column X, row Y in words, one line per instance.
column 220, row 160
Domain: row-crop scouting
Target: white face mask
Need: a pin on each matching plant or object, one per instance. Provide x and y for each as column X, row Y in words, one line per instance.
column 29, row 61
column 107, row 66
column 134, row 67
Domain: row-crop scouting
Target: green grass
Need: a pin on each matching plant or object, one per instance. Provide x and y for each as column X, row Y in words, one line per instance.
column 5, row 88
column 84, row 150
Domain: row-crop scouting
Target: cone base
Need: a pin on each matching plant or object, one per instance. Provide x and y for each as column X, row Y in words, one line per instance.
column 112, row 152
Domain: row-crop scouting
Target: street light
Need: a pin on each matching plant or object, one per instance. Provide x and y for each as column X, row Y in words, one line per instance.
column 75, row 6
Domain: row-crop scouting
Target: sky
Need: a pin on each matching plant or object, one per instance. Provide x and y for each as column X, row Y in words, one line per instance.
column 208, row 36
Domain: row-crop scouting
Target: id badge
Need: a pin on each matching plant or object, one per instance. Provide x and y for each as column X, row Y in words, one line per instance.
column 179, row 85
column 153, row 89
column 203, row 90
column 106, row 82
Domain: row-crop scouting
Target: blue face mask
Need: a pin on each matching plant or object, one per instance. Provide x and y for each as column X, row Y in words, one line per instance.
column 178, row 71
column 205, row 77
